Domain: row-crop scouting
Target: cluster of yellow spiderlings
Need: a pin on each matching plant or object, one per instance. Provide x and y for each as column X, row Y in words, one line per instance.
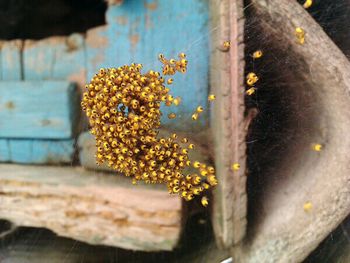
column 252, row 78
column 172, row 65
column 123, row 108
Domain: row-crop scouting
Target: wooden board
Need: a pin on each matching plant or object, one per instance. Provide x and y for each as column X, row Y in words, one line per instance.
column 282, row 230
column 137, row 31
column 89, row 206
column 11, row 64
column 228, row 123
column 37, row 151
column 38, row 109
column 55, row 58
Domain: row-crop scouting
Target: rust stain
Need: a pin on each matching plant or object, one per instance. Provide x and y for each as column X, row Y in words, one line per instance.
column 134, row 39
column 151, row 6
column 75, row 213
column 113, row 216
column 45, row 122
column 9, row 105
column 122, row 20
column 98, row 59
column 148, row 21
column 17, row 183
column 94, row 38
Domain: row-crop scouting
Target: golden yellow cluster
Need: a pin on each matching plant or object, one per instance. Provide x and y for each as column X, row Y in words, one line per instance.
column 123, row 108
column 171, row 66
column 300, row 35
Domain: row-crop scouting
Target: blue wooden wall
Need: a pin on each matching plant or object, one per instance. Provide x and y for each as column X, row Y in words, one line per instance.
column 136, row 31
column 38, row 119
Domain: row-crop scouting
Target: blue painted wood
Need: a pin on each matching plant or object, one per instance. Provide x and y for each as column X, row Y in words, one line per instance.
column 70, row 61
column 138, row 31
column 58, row 58
column 11, row 67
column 38, row 109
column 4, row 151
column 1, row 44
column 37, row 151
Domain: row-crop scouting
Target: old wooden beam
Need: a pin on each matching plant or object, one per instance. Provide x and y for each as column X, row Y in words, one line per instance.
column 34, row 151
column 55, row 58
column 11, row 66
column 38, row 109
column 92, row 207
column 227, row 122
column 316, row 83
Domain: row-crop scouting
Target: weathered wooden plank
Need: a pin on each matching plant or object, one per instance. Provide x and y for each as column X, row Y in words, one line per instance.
column 96, row 44
column 283, row 230
column 11, row 64
column 91, row 207
column 57, row 58
column 138, row 31
column 36, row 151
column 39, row 109
column 227, row 83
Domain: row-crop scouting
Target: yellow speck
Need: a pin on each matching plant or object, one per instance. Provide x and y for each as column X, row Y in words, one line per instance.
column 307, row 4
column 307, row 206
column 161, row 57
column 236, row 166
column 172, row 115
column 211, row 97
column 226, row 45
column 300, row 34
column 184, row 140
column 250, row 91
column 177, row 101
column 257, row 54
column 195, row 116
column 252, row 78
column 196, row 164
column 205, row 201
column 317, row 147
column 134, row 181
column 199, row 109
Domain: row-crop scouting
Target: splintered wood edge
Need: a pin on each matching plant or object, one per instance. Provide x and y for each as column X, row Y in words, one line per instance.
column 92, row 207
column 227, row 122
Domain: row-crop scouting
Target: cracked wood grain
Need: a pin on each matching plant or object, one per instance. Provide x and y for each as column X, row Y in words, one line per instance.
column 227, row 70
column 92, row 207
